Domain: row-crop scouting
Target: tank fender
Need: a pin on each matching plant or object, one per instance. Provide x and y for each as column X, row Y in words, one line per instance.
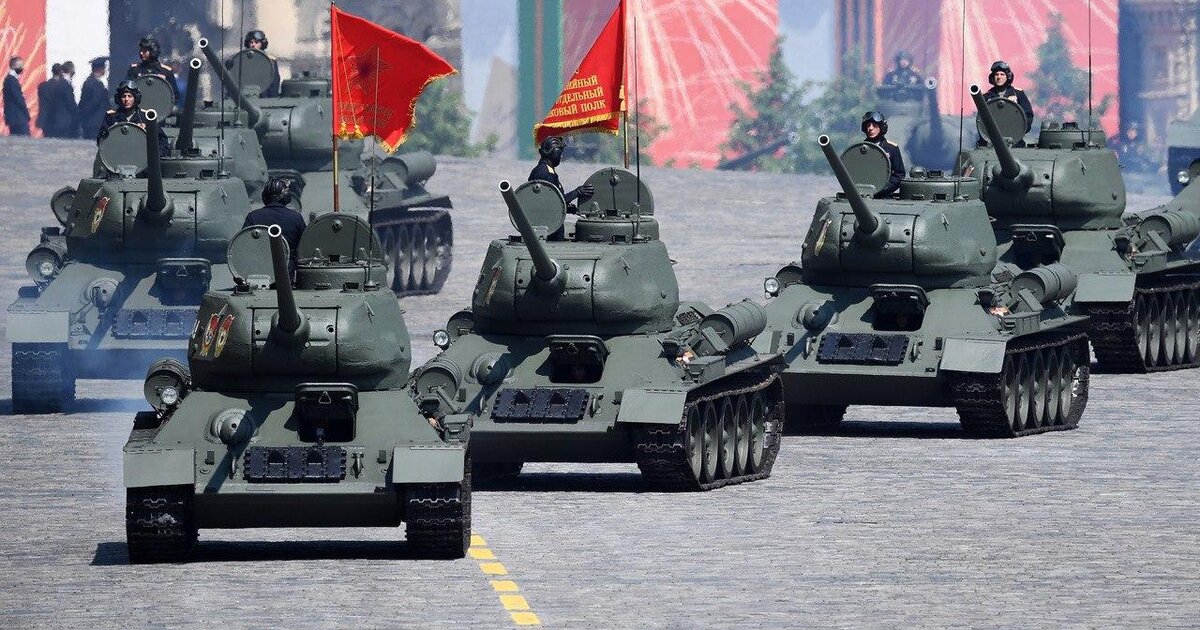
column 1104, row 287
column 428, row 463
column 652, row 406
column 38, row 327
column 167, row 467
column 981, row 356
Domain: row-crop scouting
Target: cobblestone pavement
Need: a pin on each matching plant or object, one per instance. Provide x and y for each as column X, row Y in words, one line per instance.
column 894, row 520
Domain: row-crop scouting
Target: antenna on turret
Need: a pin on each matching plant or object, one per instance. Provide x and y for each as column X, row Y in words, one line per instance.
column 962, row 79
column 221, row 131
column 637, row 116
column 1089, row 18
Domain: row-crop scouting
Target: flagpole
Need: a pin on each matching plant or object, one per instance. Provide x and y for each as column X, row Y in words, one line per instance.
column 336, row 188
column 374, row 166
column 637, row 117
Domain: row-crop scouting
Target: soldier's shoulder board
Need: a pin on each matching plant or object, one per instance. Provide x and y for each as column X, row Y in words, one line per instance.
column 166, row 67
column 133, row 65
column 891, row 144
column 111, row 111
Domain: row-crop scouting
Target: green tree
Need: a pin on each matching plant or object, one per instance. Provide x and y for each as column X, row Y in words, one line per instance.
column 1060, row 89
column 443, row 125
column 775, row 108
column 606, row 148
column 839, row 112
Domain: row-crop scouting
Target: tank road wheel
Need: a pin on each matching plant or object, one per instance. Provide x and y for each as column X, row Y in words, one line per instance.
column 1053, row 388
column 1141, row 309
column 1075, row 370
column 695, row 443
column 727, row 444
column 403, row 258
column 741, row 419
column 1010, row 389
column 437, row 517
column 1025, row 380
column 387, row 238
column 1193, row 326
column 443, row 230
column 756, row 457
column 711, row 436
column 1037, row 390
column 160, row 524
column 1167, row 352
column 43, row 381
column 429, row 258
column 1180, row 325
column 1154, row 330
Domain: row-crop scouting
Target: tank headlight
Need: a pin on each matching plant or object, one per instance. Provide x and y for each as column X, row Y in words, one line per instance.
column 771, row 286
column 1183, row 177
column 441, row 339
column 42, row 265
column 167, row 382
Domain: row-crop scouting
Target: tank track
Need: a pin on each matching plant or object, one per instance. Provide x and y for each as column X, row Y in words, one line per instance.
column 418, row 245
column 437, row 518
column 160, row 524
column 661, row 451
column 982, row 399
column 41, row 380
column 803, row 419
column 1121, row 344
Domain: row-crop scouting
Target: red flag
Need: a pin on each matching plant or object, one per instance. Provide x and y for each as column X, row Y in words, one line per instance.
column 377, row 77
column 595, row 96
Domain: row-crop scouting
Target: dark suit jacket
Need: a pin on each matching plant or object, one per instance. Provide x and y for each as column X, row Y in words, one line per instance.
column 16, row 112
column 66, row 111
column 93, row 102
column 45, row 117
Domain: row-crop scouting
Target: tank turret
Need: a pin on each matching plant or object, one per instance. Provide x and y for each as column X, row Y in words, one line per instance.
column 935, row 234
column 610, row 276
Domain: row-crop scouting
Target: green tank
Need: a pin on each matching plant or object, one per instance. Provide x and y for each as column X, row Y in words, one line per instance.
column 577, row 348
column 293, row 411
column 1063, row 200
column 901, row 302
column 117, row 286
column 294, row 129
column 1183, row 152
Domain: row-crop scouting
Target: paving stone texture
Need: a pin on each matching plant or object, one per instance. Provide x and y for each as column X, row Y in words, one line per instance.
column 894, row 520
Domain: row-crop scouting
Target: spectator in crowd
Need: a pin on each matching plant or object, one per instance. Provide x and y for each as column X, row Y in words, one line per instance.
column 16, row 112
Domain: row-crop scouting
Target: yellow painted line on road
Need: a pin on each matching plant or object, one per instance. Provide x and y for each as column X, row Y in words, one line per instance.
column 516, row 605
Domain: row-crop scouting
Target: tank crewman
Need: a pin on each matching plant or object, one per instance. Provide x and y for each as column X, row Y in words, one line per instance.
column 903, row 79
column 46, row 117
column 16, row 111
column 257, row 40
column 149, row 50
column 276, row 196
column 127, row 98
column 1132, row 152
column 551, row 151
column 66, row 109
column 93, row 100
column 1001, row 78
column 875, row 126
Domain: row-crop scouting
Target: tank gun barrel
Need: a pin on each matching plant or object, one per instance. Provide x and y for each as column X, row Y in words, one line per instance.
column 1010, row 168
column 187, row 119
column 545, row 268
column 289, row 323
column 871, row 231
column 753, row 154
column 156, row 199
column 253, row 114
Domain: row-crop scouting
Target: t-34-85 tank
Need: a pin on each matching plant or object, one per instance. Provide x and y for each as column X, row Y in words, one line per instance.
column 121, row 287
column 900, row 302
column 1183, row 152
column 577, row 349
column 295, row 131
column 1063, row 200
column 295, row 411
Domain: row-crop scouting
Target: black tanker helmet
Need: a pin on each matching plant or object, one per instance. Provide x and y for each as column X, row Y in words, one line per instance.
column 255, row 35
column 278, row 191
column 552, row 149
column 132, row 88
column 1000, row 66
column 904, row 54
column 877, row 118
column 150, row 44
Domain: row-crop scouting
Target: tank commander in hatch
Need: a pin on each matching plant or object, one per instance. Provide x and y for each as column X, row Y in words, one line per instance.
column 875, row 126
column 127, row 98
column 903, row 80
column 149, row 50
column 257, row 40
column 276, row 196
column 551, row 151
column 1001, row 78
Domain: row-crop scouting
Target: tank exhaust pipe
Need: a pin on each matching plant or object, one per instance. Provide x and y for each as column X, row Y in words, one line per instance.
column 546, row 270
column 870, row 231
column 253, row 114
column 289, row 325
column 187, row 119
column 156, row 206
column 1010, row 171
